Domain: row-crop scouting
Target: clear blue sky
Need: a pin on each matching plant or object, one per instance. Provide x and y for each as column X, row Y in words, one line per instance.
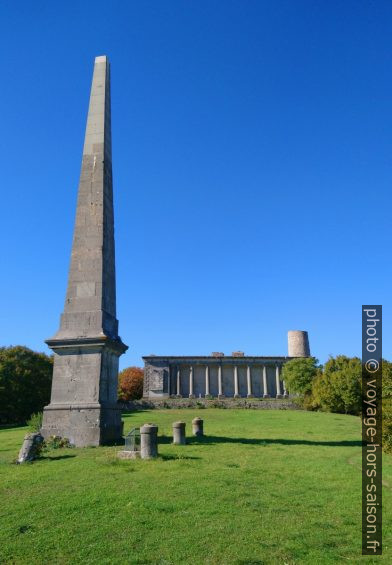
column 252, row 169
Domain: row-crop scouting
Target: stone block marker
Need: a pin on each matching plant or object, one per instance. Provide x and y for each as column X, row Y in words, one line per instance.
column 179, row 433
column 149, row 441
column 197, row 427
column 30, row 448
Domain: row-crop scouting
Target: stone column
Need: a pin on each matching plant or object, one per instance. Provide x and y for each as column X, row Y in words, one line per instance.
column 207, row 381
column 179, row 433
column 249, row 381
column 178, row 381
column 148, row 441
column 197, row 427
column 285, row 395
column 277, row 375
column 191, row 395
column 236, row 391
column 220, row 387
column 265, row 386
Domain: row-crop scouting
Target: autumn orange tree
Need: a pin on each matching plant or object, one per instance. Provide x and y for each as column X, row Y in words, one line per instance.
column 130, row 384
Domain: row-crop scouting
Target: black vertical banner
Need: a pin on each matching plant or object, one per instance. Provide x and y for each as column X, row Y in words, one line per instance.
column 372, row 430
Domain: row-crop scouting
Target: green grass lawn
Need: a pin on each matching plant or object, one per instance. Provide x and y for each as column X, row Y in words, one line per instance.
column 262, row 487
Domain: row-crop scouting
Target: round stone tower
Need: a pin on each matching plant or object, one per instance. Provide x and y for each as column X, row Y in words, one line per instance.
column 298, row 343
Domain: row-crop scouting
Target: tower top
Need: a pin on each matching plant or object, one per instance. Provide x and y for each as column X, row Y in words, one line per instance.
column 298, row 343
column 101, row 59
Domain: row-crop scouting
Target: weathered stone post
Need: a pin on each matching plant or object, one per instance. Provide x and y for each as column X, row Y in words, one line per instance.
column 197, row 427
column 83, row 405
column 179, row 433
column 298, row 342
column 149, row 441
column 30, row 448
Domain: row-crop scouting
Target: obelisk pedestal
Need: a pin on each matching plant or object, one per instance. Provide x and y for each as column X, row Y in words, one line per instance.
column 83, row 405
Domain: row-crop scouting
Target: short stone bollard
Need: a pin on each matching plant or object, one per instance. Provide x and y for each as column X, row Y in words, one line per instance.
column 197, row 427
column 30, row 448
column 179, row 433
column 149, row 441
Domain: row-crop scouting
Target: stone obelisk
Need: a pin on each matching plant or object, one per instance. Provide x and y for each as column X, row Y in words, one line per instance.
column 83, row 405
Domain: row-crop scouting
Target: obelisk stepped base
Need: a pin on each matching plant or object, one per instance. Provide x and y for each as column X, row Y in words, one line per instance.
column 83, row 406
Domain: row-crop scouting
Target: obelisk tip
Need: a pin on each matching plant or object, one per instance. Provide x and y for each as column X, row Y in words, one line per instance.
column 101, row 59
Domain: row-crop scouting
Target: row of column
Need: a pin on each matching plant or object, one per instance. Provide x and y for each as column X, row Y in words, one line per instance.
column 236, row 382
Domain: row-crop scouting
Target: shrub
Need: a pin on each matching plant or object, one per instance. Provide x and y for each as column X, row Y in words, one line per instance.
column 387, row 406
column 338, row 387
column 57, row 442
column 299, row 375
column 25, row 383
column 130, row 384
column 35, row 422
column 218, row 404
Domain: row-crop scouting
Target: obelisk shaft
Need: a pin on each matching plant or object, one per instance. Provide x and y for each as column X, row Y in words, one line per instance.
column 90, row 304
column 83, row 405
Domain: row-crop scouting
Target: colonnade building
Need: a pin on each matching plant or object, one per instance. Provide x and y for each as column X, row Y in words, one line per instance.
column 220, row 376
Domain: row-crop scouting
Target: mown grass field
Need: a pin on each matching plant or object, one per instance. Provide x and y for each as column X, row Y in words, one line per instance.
column 262, row 487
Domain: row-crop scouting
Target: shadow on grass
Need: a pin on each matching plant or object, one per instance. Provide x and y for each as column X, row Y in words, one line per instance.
column 213, row 440
column 55, row 458
column 250, row 562
column 165, row 439
column 6, row 427
column 130, row 413
column 177, row 457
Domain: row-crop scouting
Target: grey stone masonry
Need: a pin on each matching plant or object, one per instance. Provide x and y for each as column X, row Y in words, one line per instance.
column 298, row 343
column 197, row 427
column 30, row 448
column 179, row 433
column 86, row 348
column 149, row 441
column 213, row 376
column 218, row 376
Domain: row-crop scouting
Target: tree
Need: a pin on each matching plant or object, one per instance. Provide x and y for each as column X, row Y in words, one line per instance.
column 387, row 405
column 25, row 383
column 338, row 388
column 130, row 384
column 298, row 375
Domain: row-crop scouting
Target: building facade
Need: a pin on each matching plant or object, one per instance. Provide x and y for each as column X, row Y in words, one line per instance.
column 220, row 376
column 214, row 376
